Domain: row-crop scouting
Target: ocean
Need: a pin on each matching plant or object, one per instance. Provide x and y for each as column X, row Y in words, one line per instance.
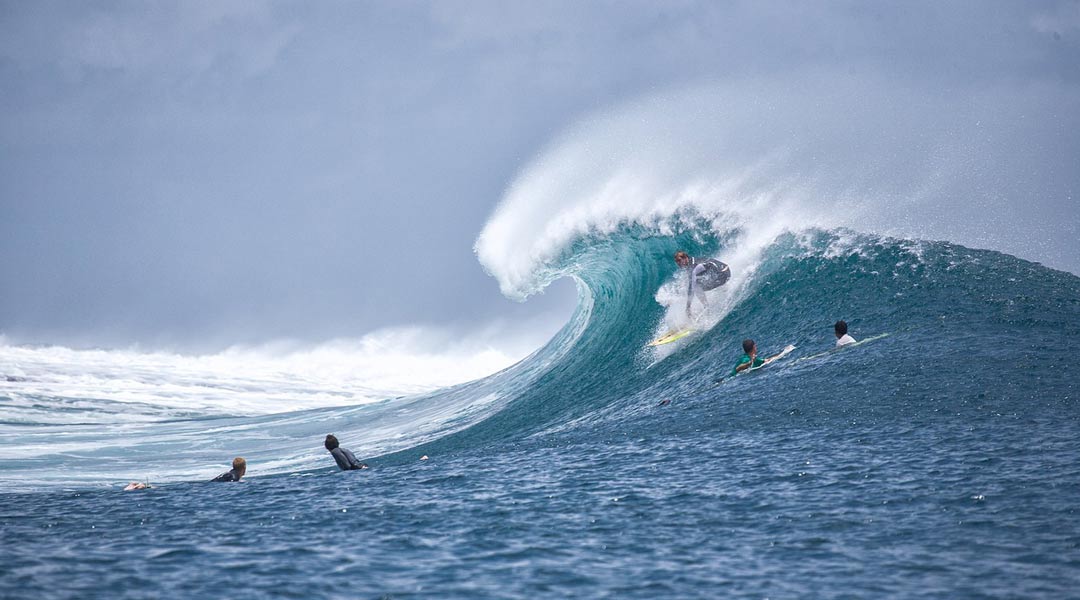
column 938, row 460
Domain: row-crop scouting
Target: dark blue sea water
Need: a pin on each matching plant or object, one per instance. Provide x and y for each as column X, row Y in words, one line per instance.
column 939, row 461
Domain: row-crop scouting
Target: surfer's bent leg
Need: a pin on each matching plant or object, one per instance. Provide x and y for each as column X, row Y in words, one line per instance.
column 699, row 293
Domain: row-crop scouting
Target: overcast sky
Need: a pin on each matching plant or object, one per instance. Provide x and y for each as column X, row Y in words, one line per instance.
column 198, row 174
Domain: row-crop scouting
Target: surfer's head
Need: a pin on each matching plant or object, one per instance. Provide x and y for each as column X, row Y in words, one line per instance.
column 331, row 442
column 240, row 466
column 840, row 328
column 749, row 346
column 682, row 259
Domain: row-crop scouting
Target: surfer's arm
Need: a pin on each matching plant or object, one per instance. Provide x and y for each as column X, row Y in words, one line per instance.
column 778, row 355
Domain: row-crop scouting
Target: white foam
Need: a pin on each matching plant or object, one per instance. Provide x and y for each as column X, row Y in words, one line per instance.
column 58, row 385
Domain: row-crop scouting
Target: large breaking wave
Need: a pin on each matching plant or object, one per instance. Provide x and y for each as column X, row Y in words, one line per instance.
column 821, row 193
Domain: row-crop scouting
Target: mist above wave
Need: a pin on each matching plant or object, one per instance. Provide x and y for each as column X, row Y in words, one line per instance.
column 981, row 166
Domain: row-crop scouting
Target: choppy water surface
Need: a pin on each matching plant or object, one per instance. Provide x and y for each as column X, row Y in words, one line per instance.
column 958, row 505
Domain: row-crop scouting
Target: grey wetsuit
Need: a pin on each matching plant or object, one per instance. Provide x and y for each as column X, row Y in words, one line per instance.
column 706, row 274
column 346, row 460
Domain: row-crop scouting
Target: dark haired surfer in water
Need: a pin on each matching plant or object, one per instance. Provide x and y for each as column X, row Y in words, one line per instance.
column 706, row 274
column 345, row 460
column 842, row 337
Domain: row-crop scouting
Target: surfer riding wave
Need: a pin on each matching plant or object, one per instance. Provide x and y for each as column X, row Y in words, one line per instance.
column 706, row 274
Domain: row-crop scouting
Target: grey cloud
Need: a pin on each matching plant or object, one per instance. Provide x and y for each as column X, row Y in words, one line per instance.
column 1063, row 19
column 145, row 39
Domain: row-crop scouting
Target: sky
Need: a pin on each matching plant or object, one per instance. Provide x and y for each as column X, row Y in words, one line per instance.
column 200, row 174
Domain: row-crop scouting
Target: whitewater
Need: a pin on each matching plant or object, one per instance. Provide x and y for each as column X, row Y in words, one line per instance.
column 939, row 460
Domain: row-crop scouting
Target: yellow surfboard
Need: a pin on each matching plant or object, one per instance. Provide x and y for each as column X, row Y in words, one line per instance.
column 671, row 336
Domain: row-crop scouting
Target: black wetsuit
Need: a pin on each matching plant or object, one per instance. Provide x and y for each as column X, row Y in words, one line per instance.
column 346, row 460
column 230, row 475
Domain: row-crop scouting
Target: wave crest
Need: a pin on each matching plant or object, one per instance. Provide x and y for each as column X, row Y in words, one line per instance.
column 824, row 150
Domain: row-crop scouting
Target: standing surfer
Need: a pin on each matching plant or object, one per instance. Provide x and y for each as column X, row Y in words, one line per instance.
column 706, row 274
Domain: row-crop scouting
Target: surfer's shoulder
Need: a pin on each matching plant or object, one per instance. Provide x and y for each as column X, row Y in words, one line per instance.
column 239, row 468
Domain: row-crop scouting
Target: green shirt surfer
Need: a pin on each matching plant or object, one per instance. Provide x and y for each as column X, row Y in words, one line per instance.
column 750, row 359
column 747, row 362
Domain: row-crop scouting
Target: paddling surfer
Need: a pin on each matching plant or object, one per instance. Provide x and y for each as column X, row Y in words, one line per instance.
column 750, row 360
column 239, row 467
column 345, row 459
column 842, row 337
